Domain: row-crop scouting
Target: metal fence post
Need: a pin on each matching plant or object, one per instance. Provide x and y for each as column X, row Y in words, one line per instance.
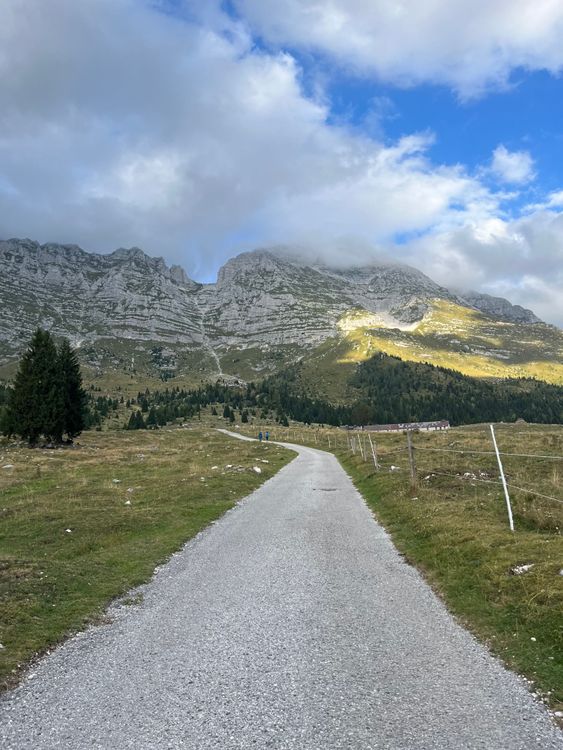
column 506, row 495
column 373, row 452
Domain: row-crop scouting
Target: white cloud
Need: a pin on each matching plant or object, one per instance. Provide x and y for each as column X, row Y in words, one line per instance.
column 521, row 259
column 470, row 45
column 552, row 200
column 125, row 126
column 515, row 167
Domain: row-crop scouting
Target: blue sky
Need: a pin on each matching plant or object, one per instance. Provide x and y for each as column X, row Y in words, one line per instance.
column 355, row 129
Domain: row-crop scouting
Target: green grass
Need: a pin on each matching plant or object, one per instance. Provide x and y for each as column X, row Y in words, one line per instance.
column 455, row 531
column 171, row 484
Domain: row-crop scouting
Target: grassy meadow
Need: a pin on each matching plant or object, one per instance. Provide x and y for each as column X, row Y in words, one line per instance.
column 81, row 526
column 454, row 528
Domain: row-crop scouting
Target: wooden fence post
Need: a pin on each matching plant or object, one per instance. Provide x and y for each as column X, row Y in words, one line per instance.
column 412, row 462
column 361, row 448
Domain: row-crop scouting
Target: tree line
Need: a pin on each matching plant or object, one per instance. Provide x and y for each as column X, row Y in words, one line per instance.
column 392, row 390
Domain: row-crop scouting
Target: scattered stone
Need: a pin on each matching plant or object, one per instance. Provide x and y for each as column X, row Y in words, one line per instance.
column 116, row 481
column 533, row 639
column 130, row 489
column 518, row 570
column 8, row 466
column 394, row 468
column 128, row 502
column 558, row 714
column 68, row 531
column 257, row 469
column 213, row 468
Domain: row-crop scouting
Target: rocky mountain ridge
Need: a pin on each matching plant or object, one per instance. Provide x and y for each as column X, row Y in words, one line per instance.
column 129, row 309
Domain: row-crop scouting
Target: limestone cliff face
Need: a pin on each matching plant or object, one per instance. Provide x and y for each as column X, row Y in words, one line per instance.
column 88, row 297
column 261, row 299
column 499, row 308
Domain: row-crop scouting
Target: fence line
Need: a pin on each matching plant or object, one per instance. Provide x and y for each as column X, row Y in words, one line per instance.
column 535, row 492
column 489, row 453
column 491, row 481
column 382, row 455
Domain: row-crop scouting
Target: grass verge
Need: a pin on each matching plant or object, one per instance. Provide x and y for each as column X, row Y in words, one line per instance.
column 81, row 526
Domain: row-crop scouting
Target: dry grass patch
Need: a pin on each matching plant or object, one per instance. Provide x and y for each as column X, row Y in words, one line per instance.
column 81, row 526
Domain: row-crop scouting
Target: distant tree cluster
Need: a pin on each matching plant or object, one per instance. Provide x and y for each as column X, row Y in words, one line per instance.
column 391, row 390
column 47, row 400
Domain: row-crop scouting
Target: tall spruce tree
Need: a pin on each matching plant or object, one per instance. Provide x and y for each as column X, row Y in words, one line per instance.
column 73, row 395
column 35, row 406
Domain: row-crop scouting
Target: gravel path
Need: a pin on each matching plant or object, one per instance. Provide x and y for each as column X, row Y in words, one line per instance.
column 290, row 623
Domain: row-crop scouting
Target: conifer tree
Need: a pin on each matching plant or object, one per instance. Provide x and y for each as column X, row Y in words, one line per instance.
column 73, row 395
column 36, row 403
column 152, row 422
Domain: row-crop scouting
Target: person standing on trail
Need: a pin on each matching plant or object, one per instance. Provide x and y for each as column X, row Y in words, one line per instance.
column 267, row 435
column 260, row 436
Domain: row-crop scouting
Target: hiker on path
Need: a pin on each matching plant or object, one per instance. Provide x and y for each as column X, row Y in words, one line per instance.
column 267, row 435
column 260, row 436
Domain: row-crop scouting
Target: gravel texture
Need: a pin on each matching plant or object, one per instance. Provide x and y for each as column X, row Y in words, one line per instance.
column 290, row 623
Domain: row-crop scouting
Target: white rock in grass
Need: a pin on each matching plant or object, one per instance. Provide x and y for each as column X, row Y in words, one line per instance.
column 517, row 570
column 2, row 646
column 257, row 469
column 128, row 502
column 116, row 481
column 68, row 531
column 8, row 466
column 214, row 467
column 130, row 489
